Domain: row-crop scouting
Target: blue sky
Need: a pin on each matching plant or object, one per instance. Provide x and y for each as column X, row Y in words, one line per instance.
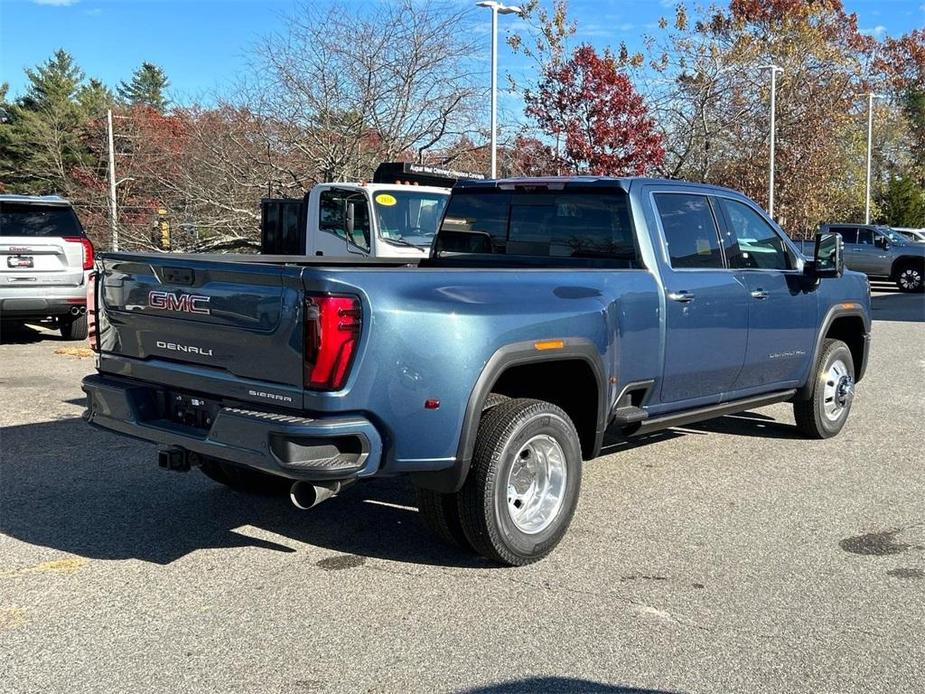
column 203, row 45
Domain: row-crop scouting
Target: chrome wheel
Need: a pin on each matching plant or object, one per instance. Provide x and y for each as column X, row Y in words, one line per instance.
column 536, row 484
column 838, row 391
column 910, row 279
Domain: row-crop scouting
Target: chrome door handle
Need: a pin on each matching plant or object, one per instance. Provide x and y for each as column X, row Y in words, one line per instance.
column 759, row 294
column 683, row 296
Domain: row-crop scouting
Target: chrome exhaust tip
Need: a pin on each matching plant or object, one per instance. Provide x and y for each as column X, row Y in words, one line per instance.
column 306, row 495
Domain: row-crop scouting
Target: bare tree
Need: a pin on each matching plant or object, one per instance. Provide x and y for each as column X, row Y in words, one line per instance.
column 349, row 85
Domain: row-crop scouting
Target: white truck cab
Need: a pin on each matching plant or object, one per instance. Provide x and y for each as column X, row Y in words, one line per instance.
column 375, row 219
column 395, row 216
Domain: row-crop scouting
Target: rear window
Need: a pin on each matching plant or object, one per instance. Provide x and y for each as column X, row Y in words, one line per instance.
column 591, row 227
column 21, row 219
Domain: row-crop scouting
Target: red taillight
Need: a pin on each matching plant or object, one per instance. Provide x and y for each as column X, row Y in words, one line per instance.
column 87, row 249
column 332, row 328
column 91, row 313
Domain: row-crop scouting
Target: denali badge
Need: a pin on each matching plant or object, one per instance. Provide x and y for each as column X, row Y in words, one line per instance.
column 191, row 349
column 185, row 303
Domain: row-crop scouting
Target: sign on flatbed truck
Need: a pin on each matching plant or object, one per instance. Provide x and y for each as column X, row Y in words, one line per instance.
column 548, row 312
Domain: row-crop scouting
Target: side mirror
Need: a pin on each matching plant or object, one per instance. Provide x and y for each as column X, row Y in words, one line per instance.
column 882, row 242
column 828, row 257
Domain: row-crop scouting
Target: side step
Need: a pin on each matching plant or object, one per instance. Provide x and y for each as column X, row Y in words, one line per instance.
column 628, row 414
column 679, row 419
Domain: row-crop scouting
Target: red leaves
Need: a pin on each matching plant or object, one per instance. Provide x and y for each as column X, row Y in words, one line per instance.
column 599, row 121
column 902, row 61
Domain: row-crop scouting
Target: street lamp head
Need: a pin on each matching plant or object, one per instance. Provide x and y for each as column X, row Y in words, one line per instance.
column 499, row 7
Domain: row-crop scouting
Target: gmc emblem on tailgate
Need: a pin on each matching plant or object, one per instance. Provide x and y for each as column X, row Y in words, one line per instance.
column 185, row 303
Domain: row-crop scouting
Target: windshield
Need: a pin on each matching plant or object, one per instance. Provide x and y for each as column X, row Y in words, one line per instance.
column 24, row 219
column 895, row 237
column 408, row 217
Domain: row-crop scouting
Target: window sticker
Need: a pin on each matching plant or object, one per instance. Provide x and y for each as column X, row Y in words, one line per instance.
column 386, row 199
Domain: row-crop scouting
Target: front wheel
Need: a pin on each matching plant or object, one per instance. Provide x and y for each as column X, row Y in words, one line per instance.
column 909, row 278
column 824, row 413
column 522, row 490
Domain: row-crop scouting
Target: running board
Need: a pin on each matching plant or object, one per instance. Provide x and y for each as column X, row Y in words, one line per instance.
column 679, row 419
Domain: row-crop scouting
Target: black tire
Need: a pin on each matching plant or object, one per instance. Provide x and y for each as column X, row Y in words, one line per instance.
column 440, row 513
column 483, row 502
column 74, row 328
column 244, row 479
column 810, row 413
column 910, row 277
column 493, row 400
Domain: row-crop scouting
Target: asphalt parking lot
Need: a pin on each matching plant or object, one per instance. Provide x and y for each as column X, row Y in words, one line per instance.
column 726, row 556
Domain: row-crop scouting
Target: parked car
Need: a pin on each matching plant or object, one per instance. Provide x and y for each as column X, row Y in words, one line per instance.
column 882, row 253
column 550, row 311
column 916, row 235
column 45, row 260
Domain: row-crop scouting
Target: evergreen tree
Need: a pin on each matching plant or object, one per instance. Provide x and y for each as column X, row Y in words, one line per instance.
column 94, row 98
column 39, row 138
column 902, row 203
column 52, row 86
column 146, row 88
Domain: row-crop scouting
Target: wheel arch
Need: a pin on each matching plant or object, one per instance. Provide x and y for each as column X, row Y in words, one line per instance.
column 568, row 373
column 850, row 324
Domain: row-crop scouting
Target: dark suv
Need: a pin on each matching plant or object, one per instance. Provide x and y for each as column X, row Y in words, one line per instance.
column 45, row 261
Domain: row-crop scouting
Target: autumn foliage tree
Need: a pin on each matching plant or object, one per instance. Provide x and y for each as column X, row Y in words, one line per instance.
column 600, row 124
column 716, row 112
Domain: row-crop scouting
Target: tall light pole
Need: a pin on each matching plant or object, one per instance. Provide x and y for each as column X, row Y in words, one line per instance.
column 774, row 70
column 870, row 132
column 113, row 217
column 496, row 9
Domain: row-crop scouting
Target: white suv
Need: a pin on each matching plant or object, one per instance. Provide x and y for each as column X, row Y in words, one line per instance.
column 45, row 261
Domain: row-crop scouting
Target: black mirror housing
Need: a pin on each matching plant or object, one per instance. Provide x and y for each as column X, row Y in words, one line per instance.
column 828, row 256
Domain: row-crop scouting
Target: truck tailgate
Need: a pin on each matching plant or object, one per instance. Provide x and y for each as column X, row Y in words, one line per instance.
column 241, row 319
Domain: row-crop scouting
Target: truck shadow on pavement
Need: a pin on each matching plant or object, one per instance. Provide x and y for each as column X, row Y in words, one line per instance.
column 21, row 334
column 100, row 496
column 561, row 685
column 897, row 306
column 97, row 495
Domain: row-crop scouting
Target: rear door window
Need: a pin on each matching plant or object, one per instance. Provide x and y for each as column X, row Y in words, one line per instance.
column 848, row 234
column 690, row 230
column 566, row 224
column 24, row 219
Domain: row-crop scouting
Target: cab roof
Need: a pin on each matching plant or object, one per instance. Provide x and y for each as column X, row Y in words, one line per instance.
column 34, row 199
column 624, row 183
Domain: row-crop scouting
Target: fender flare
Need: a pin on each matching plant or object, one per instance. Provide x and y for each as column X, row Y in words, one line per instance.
column 835, row 312
column 452, row 478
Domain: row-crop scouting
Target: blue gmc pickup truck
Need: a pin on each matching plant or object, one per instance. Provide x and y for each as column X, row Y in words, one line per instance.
column 549, row 312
